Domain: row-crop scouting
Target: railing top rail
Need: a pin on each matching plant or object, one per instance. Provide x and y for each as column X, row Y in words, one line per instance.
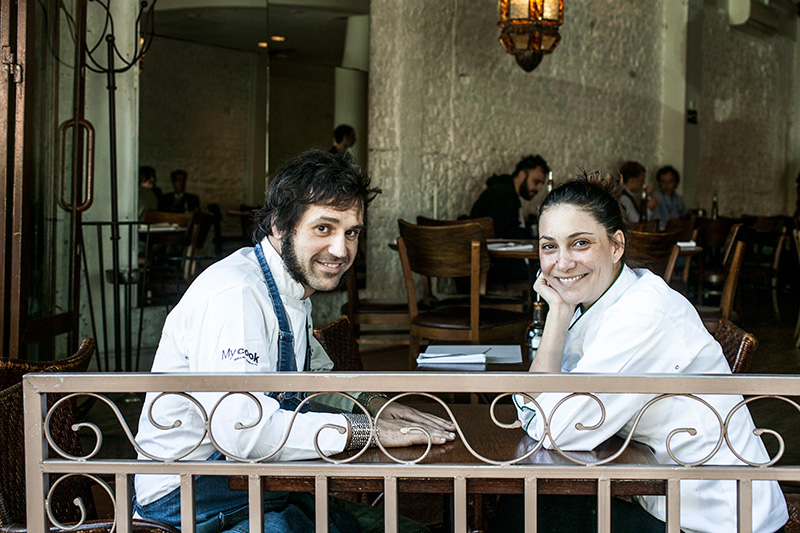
column 430, row 382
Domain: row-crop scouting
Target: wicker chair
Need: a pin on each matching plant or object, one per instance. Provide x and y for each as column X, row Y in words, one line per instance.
column 12, row 452
column 339, row 341
column 737, row 345
column 12, row 370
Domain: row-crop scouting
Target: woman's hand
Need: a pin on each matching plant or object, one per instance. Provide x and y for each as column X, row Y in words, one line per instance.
column 551, row 296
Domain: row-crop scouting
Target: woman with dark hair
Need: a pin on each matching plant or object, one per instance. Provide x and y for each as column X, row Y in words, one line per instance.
column 605, row 317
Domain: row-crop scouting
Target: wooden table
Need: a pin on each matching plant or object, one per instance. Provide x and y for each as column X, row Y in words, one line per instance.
column 530, row 252
column 490, row 441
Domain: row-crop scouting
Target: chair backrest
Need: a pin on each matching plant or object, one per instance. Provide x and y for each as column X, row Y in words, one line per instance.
column 656, row 251
column 712, row 235
column 443, row 251
column 486, row 223
column 12, row 460
column 339, row 341
column 647, row 225
column 12, row 370
column 684, row 227
column 737, row 345
column 734, row 257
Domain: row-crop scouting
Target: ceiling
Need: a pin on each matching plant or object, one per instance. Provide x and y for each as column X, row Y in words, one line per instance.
column 314, row 29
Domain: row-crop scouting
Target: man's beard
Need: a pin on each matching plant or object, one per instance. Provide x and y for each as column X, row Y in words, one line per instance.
column 295, row 269
column 525, row 191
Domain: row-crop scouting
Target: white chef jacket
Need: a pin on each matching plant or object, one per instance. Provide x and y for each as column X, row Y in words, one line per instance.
column 225, row 323
column 641, row 326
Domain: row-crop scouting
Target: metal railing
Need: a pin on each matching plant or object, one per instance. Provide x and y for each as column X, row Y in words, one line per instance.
column 39, row 466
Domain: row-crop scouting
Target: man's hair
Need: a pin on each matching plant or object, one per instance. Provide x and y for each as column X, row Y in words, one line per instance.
column 178, row 172
column 630, row 169
column 531, row 162
column 315, row 177
column 668, row 170
column 146, row 173
column 342, row 130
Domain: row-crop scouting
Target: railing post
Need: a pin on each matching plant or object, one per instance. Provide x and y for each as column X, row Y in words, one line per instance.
column 603, row 505
column 745, row 505
column 531, row 510
column 673, row 506
column 255, row 493
column 122, row 493
column 460, row 503
column 188, row 512
column 35, row 405
column 321, row 501
column 390, row 507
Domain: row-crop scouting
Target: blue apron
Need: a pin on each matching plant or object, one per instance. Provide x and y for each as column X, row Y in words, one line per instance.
column 286, row 357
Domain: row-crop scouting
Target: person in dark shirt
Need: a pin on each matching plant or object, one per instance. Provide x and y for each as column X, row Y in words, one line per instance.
column 501, row 201
column 501, row 198
column 179, row 201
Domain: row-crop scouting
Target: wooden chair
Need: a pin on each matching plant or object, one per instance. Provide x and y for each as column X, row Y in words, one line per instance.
column 12, row 370
column 686, row 230
column 733, row 265
column 447, row 252
column 656, row 251
column 762, row 263
column 714, row 236
column 650, row 226
column 339, row 341
column 509, row 303
column 737, row 345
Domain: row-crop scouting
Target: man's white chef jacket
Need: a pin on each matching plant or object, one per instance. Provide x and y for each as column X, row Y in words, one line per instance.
column 641, row 326
column 225, row 323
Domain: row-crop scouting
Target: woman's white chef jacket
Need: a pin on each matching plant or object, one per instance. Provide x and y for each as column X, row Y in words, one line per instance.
column 641, row 326
column 225, row 323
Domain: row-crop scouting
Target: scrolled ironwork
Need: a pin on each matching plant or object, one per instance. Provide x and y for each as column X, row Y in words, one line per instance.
column 78, row 503
column 758, row 431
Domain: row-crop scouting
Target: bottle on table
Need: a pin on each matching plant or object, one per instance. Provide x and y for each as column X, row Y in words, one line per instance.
column 643, row 207
column 534, row 333
column 550, row 182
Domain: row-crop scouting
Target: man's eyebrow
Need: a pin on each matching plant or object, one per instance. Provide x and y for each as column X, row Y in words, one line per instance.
column 334, row 220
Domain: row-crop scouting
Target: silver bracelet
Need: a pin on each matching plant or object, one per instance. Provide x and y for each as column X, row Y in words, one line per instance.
column 360, row 434
column 366, row 397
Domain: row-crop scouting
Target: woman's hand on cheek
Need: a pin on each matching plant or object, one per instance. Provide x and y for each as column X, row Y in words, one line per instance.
column 550, row 294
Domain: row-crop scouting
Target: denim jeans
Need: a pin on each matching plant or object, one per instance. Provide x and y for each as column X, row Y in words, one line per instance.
column 221, row 510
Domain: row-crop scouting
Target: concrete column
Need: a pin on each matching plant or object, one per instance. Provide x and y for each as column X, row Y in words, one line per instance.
column 351, row 84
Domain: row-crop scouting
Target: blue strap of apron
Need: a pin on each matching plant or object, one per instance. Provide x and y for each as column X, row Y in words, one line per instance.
column 286, row 356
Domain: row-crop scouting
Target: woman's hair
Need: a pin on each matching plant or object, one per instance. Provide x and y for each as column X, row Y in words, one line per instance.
column 314, row 177
column 597, row 195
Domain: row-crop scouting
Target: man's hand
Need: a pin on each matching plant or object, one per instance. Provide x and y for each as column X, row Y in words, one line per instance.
column 396, row 420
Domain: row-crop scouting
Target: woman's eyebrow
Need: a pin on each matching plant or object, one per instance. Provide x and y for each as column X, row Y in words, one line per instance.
column 571, row 236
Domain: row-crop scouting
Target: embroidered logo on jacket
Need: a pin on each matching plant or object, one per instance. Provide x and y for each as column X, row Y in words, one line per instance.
column 251, row 358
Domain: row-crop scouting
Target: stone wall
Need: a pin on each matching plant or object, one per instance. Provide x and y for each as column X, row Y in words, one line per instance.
column 745, row 119
column 449, row 107
column 197, row 104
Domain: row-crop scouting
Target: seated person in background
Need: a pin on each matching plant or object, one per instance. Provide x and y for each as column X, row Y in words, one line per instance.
column 179, row 201
column 149, row 194
column 240, row 315
column 633, row 176
column 344, row 137
column 670, row 203
column 605, row 317
column 500, row 199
